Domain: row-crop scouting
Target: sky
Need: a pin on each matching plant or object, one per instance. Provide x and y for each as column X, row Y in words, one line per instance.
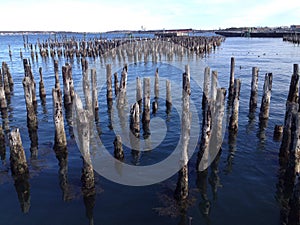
column 108, row 15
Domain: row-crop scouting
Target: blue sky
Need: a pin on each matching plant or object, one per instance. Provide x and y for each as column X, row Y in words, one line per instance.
column 106, row 15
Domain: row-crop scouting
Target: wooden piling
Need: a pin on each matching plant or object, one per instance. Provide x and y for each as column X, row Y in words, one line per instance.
column 3, row 102
column 254, row 89
column 116, row 83
column 182, row 189
column 122, row 91
column 57, row 84
column 206, row 87
column 109, row 93
column 42, row 91
column 68, row 84
column 135, row 119
column 18, row 161
column 146, row 106
column 231, row 80
column 139, row 92
column 168, row 96
column 266, row 98
column 214, row 86
column 156, row 85
column 233, row 122
column 87, row 176
column 293, row 90
column 118, row 149
column 60, row 135
column 95, row 103
column 28, row 94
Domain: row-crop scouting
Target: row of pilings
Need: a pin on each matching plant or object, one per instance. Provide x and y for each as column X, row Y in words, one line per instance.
column 294, row 38
column 71, row 48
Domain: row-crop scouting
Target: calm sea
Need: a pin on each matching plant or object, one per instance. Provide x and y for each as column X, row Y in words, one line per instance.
column 240, row 188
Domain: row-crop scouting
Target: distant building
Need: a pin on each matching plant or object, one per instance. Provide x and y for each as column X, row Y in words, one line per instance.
column 295, row 27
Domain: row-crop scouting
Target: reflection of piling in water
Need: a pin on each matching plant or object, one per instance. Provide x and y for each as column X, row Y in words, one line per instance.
column 19, row 169
column 2, row 144
column 254, row 89
column 42, row 91
column 231, row 80
column 182, row 189
column 168, row 96
column 62, row 156
column 266, row 98
column 201, row 182
column 118, row 148
column 146, row 105
column 233, row 122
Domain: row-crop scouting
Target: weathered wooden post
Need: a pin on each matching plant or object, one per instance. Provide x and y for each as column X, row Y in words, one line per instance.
column 293, row 90
column 18, row 161
column 60, row 135
column 109, row 93
column 28, row 94
column 19, row 169
column 206, row 87
column 294, row 205
column 3, row 102
column 290, row 119
column 116, row 83
column 254, row 89
column 95, row 103
column 87, row 176
column 266, row 98
column 146, row 105
column 182, row 189
column 122, row 91
column 139, row 92
column 214, row 86
column 231, row 80
column 135, row 119
column 233, row 122
column 118, row 149
column 42, row 91
column 57, row 84
column 156, row 85
column 87, row 93
column 168, row 96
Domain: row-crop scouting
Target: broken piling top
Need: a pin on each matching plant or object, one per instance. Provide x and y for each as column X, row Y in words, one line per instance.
column 118, row 148
column 18, row 161
column 266, row 98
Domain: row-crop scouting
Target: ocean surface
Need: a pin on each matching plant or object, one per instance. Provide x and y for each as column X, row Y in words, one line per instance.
column 239, row 188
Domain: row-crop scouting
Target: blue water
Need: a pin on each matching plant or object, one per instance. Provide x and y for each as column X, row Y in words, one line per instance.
column 241, row 189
